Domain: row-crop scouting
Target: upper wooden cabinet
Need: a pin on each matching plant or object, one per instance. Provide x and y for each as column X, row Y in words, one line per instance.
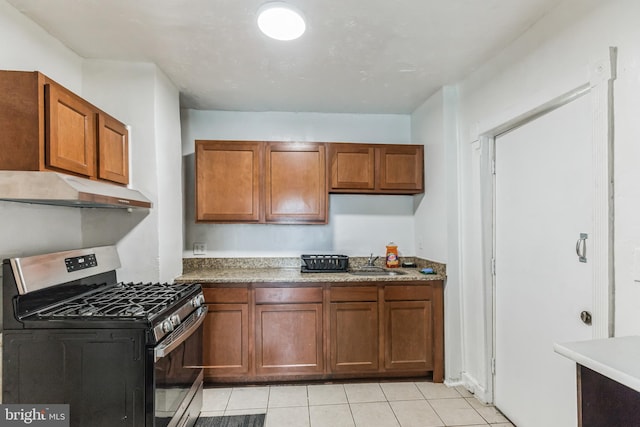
column 113, row 150
column 296, row 184
column 70, row 124
column 352, row 166
column 376, row 168
column 261, row 182
column 47, row 127
column 228, row 181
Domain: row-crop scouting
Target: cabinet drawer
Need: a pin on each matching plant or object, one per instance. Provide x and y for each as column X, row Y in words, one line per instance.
column 354, row 294
column 288, row 295
column 407, row 293
column 225, row 295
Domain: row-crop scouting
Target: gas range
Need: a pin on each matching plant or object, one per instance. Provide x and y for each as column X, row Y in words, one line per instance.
column 67, row 311
column 161, row 305
column 78, row 289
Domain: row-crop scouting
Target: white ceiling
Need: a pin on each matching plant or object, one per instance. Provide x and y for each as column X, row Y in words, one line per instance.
column 359, row 56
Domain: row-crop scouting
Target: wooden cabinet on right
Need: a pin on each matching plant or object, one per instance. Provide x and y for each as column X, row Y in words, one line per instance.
column 113, row 150
column 376, row 168
column 413, row 329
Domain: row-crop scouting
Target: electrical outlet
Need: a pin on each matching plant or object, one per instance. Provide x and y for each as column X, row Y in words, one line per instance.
column 636, row 265
column 199, row 248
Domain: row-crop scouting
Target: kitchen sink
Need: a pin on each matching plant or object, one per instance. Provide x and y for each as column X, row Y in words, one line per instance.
column 376, row 271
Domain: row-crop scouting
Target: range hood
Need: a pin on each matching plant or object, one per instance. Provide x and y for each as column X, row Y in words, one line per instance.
column 53, row 188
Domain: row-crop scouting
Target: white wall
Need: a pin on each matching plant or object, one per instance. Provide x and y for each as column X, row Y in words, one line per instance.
column 149, row 243
column 127, row 91
column 358, row 224
column 140, row 96
column 553, row 57
column 428, row 128
column 434, row 124
column 169, row 161
column 27, row 47
column 28, row 229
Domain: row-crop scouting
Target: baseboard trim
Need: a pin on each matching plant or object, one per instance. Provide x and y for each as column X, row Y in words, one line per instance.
column 481, row 393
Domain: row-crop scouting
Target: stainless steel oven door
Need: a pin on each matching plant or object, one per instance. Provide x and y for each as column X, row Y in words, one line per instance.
column 178, row 374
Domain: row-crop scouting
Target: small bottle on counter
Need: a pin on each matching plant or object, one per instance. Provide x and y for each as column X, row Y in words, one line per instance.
column 392, row 256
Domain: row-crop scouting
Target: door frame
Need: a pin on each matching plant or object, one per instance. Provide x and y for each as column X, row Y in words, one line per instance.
column 601, row 249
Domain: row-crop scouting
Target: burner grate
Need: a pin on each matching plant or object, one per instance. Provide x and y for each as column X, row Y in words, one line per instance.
column 124, row 300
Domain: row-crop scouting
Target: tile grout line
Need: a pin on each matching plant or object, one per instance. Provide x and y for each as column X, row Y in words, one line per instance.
column 386, row 398
column 226, row 405
column 433, row 409
column 306, row 390
column 266, row 414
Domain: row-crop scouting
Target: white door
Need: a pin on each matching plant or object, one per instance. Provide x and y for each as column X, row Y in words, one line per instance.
column 544, row 187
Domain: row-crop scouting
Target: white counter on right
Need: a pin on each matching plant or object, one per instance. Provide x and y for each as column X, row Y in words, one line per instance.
column 616, row 358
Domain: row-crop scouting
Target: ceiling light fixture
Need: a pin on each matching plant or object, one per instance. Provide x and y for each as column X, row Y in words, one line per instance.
column 280, row 21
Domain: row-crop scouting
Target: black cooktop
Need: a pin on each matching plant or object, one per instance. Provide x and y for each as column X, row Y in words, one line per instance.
column 123, row 300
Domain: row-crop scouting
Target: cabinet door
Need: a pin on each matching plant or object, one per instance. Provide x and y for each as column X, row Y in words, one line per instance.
column 401, row 167
column 228, row 181
column 296, row 187
column 289, row 339
column 352, row 166
column 408, row 335
column 22, row 120
column 354, row 337
column 70, row 131
column 226, row 340
column 113, row 150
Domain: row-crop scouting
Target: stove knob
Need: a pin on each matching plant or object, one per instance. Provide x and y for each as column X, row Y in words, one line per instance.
column 197, row 301
column 175, row 320
column 167, row 326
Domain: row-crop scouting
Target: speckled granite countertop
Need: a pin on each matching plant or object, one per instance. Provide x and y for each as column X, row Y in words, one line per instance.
column 287, row 270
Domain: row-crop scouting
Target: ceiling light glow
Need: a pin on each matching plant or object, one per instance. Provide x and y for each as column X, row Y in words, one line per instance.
column 281, row 21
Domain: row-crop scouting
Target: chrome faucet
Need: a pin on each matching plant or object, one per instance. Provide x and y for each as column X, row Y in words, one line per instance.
column 370, row 262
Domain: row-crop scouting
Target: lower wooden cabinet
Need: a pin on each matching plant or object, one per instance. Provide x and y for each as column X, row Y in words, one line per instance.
column 354, row 329
column 604, row 402
column 414, row 328
column 289, row 339
column 226, row 333
column 226, row 350
column 260, row 333
column 408, row 335
column 354, row 337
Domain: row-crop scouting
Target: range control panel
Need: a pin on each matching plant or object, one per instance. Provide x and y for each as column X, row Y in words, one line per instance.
column 81, row 262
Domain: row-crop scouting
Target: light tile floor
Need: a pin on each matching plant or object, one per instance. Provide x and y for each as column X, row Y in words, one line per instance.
column 386, row 404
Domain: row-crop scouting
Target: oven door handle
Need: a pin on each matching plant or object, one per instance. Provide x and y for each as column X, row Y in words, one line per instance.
column 181, row 333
